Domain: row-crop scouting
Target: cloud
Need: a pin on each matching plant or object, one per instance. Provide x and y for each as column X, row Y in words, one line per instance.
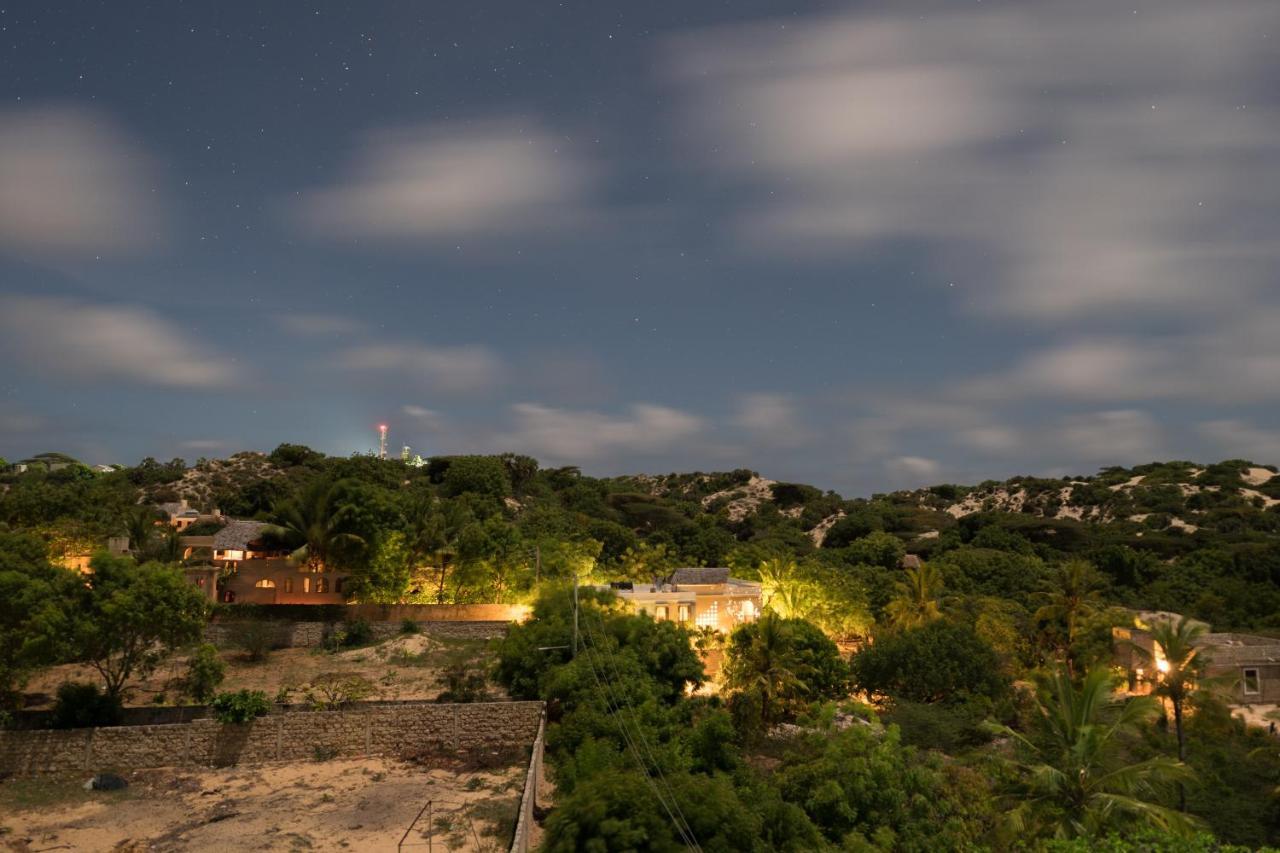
column 1242, row 439
column 447, row 369
column 320, row 325
column 202, row 444
column 576, row 435
column 452, row 180
column 1234, row 359
column 1096, row 158
column 1108, row 436
column 915, row 470
column 89, row 342
column 72, row 180
column 773, row 419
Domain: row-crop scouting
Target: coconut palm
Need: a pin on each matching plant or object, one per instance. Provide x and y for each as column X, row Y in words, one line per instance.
column 139, row 525
column 1177, row 669
column 760, row 661
column 1073, row 595
column 916, row 601
column 315, row 525
column 1074, row 779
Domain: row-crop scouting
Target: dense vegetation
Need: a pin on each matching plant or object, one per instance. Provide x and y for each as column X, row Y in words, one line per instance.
column 994, row 722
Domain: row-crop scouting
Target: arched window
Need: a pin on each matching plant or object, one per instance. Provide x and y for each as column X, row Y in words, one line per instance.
column 265, row 583
column 288, row 584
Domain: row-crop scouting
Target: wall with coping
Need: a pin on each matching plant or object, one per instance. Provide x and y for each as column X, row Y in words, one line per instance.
column 402, row 729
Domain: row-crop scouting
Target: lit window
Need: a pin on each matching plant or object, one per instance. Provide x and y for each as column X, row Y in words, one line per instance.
column 710, row 617
column 322, row 585
column 748, row 609
column 288, row 584
column 1252, row 682
column 265, row 583
column 306, row 584
column 683, row 613
column 660, row 612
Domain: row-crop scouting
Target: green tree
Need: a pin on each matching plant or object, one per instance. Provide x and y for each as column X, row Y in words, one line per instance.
column 1177, row 668
column 33, row 616
column 866, row 791
column 385, row 577
column 1075, row 779
column 480, row 475
column 784, row 664
column 915, row 600
column 1074, row 594
column 140, row 525
column 315, row 524
column 127, row 618
column 935, row 662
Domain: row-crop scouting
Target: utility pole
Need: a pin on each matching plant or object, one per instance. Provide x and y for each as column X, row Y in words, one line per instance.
column 537, row 563
column 575, row 613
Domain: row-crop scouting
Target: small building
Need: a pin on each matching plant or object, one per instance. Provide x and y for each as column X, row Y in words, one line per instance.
column 251, row 569
column 696, row 597
column 1251, row 663
column 181, row 515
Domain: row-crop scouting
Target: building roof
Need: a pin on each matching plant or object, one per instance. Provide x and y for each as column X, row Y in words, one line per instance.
column 710, row 575
column 909, row 561
column 238, row 534
column 173, row 508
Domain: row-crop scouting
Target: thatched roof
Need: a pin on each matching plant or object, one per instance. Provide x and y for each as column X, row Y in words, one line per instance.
column 238, row 534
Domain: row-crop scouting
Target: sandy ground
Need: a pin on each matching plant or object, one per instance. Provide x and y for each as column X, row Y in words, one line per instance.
column 352, row 805
column 1261, row 716
column 405, row 667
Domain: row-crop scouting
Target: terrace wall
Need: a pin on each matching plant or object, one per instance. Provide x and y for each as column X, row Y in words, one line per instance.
column 310, row 634
column 402, row 729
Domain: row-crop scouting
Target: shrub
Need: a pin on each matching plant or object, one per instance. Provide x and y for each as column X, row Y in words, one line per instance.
column 256, row 639
column 239, row 706
column 205, row 672
column 334, row 689
column 462, row 682
column 409, row 626
column 82, row 706
column 357, row 632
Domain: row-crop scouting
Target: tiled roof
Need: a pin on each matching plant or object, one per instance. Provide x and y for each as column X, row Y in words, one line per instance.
column 700, row 576
column 238, row 534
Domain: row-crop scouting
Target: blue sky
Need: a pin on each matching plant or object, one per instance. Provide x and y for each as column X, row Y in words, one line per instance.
column 866, row 246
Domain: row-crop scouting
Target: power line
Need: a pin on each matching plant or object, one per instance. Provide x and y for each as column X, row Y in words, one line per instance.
column 635, row 753
column 692, row 840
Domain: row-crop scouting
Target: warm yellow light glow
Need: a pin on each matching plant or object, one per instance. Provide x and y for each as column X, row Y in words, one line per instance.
column 1162, row 665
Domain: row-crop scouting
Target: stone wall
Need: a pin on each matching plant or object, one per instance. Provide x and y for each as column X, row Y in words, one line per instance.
column 311, row 634
column 404, row 729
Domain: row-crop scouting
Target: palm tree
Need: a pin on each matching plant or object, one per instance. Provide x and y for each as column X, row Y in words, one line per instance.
column 433, row 534
column 140, row 526
column 784, row 591
column 1177, row 668
column 315, row 526
column 760, row 661
column 1074, row 781
column 1073, row 595
column 916, row 600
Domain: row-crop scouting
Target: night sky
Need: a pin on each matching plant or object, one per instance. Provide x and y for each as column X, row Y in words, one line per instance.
column 866, row 246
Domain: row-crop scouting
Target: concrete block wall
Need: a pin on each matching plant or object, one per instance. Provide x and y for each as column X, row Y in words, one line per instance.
column 404, row 729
